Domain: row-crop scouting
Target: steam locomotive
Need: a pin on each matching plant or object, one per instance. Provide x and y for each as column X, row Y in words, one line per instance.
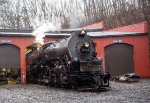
column 70, row 62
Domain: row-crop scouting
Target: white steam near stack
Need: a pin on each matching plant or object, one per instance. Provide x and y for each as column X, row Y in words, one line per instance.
column 40, row 28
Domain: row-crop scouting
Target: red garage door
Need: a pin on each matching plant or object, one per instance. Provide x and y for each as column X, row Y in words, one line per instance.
column 119, row 59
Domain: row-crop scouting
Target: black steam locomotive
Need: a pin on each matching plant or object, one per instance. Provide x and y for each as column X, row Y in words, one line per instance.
column 70, row 62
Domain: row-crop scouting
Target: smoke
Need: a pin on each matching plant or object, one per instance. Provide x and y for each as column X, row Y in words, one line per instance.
column 40, row 27
column 74, row 20
column 76, row 16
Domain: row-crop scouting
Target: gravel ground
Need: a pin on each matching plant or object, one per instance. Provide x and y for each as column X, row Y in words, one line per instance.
column 117, row 93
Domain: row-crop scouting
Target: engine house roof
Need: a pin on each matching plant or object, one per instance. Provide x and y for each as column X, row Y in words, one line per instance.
column 67, row 33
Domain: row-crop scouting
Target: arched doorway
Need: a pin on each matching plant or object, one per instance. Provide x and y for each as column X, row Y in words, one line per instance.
column 119, row 58
column 10, row 61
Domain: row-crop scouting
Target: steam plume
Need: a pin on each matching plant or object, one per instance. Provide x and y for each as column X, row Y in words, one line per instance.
column 40, row 28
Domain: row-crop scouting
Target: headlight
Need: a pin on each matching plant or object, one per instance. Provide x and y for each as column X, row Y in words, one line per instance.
column 86, row 44
column 85, row 48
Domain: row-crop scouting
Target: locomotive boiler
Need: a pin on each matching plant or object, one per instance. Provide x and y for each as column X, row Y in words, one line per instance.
column 70, row 62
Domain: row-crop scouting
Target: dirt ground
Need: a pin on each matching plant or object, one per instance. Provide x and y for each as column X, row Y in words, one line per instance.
column 117, row 93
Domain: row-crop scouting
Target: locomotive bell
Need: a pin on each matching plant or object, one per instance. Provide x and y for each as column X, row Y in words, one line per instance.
column 82, row 33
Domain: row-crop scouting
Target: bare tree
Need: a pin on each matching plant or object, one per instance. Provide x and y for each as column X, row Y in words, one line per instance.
column 21, row 14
